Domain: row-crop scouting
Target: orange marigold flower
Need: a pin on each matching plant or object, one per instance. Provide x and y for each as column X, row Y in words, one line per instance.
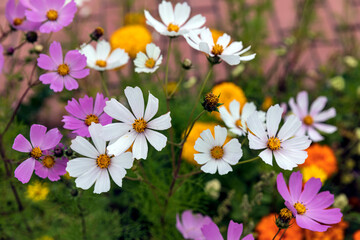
column 336, row 232
column 266, row 230
column 356, row 235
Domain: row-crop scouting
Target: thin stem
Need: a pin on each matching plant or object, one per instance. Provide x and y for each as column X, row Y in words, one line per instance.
column 190, row 174
column 177, row 85
column 249, row 160
column 82, row 217
column 276, row 234
column 191, row 126
column 282, row 234
column 167, row 67
column 104, row 84
column 244, row 141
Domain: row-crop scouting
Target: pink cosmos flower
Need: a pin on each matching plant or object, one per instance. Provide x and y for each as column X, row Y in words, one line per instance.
column 52, row 14
column 190, row 225
column 84, row 113
column 15, row 14
column 64, row 71
column 212, row 232
column 307, row 205
column 312, row 120
column 40, row 141
column 51, row 166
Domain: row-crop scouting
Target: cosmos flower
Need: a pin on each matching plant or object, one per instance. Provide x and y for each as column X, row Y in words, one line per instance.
column 150, row 61
column 135, row 128
column 190, row 225
column 221, row 50
column 289, row 151
column 52, row 14
column 51, row 167
column 214, row 154
column 97, row 163
column 40, row 141
column 212, row 232
column 15, row 14
column 103, row 58
column 84, row 112
column 173, row 20
column 312, row 121
column 63, row 71
column 309, row 207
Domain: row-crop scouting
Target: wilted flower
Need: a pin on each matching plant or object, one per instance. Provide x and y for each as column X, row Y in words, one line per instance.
column 212, row 232
column 150, row 61
column 190, row 225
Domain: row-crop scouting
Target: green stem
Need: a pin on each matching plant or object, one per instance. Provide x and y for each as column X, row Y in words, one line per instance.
column 276, row 234
column 177, row 85
column 167, row 67
column 282, row 234
column 104, row 84
column 191, row 126
column 249, row 160
column 244, row 141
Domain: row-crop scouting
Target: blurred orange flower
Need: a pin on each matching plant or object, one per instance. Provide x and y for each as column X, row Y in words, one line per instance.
column 336, row 232
column 356, row 235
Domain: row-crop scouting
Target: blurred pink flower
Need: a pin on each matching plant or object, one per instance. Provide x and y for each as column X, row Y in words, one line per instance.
column 52, row 14
column 212, row 232
column 308, row 205
column 64, row 71
column 40, row 141
column 84, row 112
column 190, row 225
column 15, row 14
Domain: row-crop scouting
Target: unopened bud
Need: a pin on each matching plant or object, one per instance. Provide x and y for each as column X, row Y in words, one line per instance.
column 10, row 51
column 211, row 102
column 187, row 64
column 97, row 33
column 31, row 37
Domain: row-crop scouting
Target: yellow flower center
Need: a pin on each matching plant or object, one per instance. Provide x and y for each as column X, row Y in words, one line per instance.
column 238, row 123
column 150, row 63
column 63, row 69
column 90, row 119
column 173, row 28
column 217, row 49
column 36, row 153
column 308, row 120
column 101, row 63
column 103, row 161
column 286, row 214
column 139, row 125
column 300, row 208
column 48, row 161
column 217, row 152
column 18, row 21
column 274, row 143
column 52, row 15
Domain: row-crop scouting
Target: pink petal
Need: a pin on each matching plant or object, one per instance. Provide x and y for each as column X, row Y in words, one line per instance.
column 73, row 123
column 303, row 102
column 105, row 119
column 80, row 73
column 87, row 104
column 295, row 186
column 311, row 189
column 75, row 60
column 326, row 216
column 282, row 188
column 35, row 16
column 305, row 222
column 57, row 85
column 100, row 103
column 48, row 78
column 67, row 13
column 70, row 83
column 318, row 105
column 24, row 171
column 321, row 201
column 50, row 26
column 211, row 232
column 21, row 144
column 56, row 53
column 37, row 135
column 234, row 231
column 41, row 170
column 51, row 139
column 46, row 62
column 55, row 4
column 75, row 109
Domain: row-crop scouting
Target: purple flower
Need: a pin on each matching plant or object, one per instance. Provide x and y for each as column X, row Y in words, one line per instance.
column 52, row 14
column 84, row 113
column 212, row 232
column 312, row 119
column 307, row 205
column 64, row 71
column 51, row 167
column 190, row 225
column 40, row 141
column 15, row 14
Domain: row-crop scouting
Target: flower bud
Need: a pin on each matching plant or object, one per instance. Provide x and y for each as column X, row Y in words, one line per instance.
column 10, row 51
column 284, row 218
column 31, row 37
column 187, row 64
column 69, row 152
column 97, row 33
column 211, row 102
column 212, row 188
column 58, row 151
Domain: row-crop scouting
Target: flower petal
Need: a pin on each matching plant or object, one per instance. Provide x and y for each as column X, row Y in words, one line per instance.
column 273, row 118
column 157, row 140
column 24, row 171
column 140, row 147
column 21, row 144
column 102, row 183
column 83, row 147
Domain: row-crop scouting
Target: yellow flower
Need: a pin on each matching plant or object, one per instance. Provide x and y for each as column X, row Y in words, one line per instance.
column 37, row 191
column 267, row 103
column 228, row 92
column 135, row 19
column 216, row 34
column 313, row 171
column 132, row 39
column 67, row 176
column 45, row 237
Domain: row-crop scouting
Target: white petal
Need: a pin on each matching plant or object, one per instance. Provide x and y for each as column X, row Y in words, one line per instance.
column 152, row 51
column 95, row 133
column 193, row 40
column 220, row 135
column 256, row 143
column 140, row 147
column 157, row 140
column 117, row 59
column 115, row 130
column 318, row 105
column 90, row 54
column 290, row 127
column 210, row 167
column 295, row 109
column 161, row 123
column 202, row 158
column 117, row 174
column 195, row 22
column 79, row 166
column 226, row 117
column 136, row 100
column 223, row 167
column 233, row 48
column 266, row 156
column 166, row 12
column 83, row 147
column 124, row 160
column 206, row 36
column 325, row 115
column 151, row 108
column 159, row 27
column 326, row 128
column 231, row 59
column 314, row 135
column 122, row 144
column 86, row 180
column 248, row 109
column 235, row 109
column 273, row 118
column 295, row 156
column 256, row 126
column 297, row 143
column 202, row 146
column 208, row 137
column 102, row 183
column 116, row 110
column 102, row 50
column 247, row 57
column 140, row 59
column 232, row 151
column 204, row 47
column 283, row 161
column 182, row 13
column 303, row 102
column 224, row 40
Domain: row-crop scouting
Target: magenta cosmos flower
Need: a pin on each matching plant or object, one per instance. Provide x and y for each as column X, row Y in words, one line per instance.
column 40, row 142
column 84, row 113
column 51, row 166
column 212, row 232
column 52, row 14
column 64, row 71
column 15, row 14
column 190, row 225
column 308, row 205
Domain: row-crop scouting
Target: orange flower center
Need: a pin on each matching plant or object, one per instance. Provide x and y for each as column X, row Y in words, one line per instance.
column 300, row 208
column 150, row 63
column 18, row 21
column 52, row 15
column 36, row 153
column 90, row 119
column 308, row 120
column 48, row 161
column 63, row 69
column 217, row 152
column 103, row 161
column 173, row 28
column 139, row 125
column 286, row 214
column 101, row 63
column 217, row 49
column 238, row 123
column 274, row 143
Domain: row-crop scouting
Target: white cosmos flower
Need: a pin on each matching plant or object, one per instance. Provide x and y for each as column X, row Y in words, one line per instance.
column 102, row 58
column 214, row 154
column 221, row 49
column 288, row 149
column 235, row 121
column 79, row 3
column 97, row 163
column 136, row 127
column 312, row 120
column 150, row 61
column 173, row 20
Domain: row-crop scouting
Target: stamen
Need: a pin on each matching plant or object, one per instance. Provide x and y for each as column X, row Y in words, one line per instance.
column 91, row 118
column 36, row 153
column 48, row 161
column 300, row 208
column 103, row 161
column 173, row 28
column 286, row 214
column 150, row 63
column 101, row 63
column 308, row 120
column 63, row 69
column 52, row 15
column 18, row 21
column 139, row 125
column 217, row 49
column 274, row 143
column 217, row 152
